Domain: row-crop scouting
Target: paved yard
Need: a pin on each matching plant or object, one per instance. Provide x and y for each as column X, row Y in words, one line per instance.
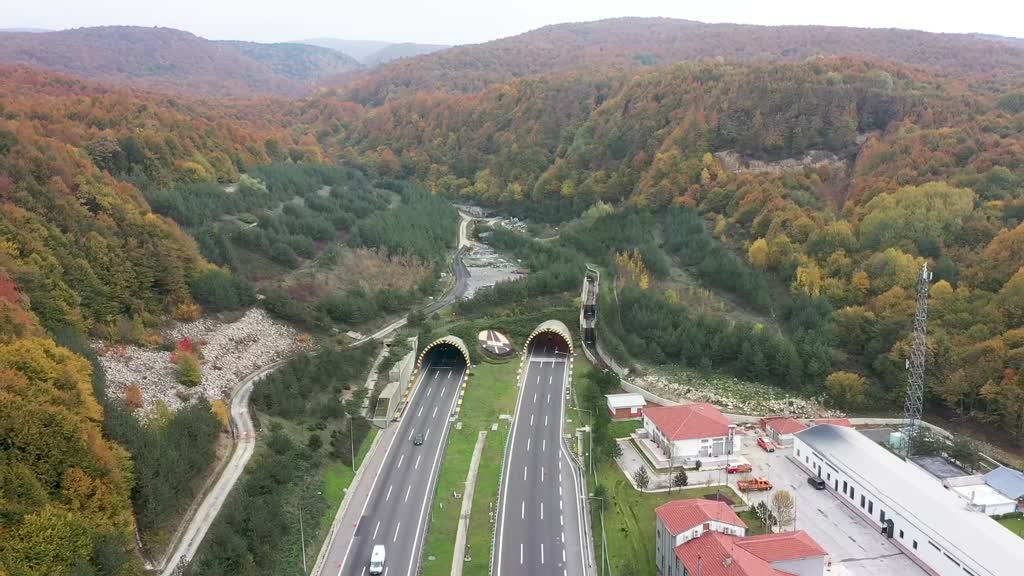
column 856, row 548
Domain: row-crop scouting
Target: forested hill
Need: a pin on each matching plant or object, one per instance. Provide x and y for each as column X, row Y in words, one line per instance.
column 172, row 60
column 919, row 167
column 632, row 43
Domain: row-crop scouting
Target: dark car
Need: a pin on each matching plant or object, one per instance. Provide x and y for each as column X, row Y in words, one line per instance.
column 817, row 483
column 418, row 439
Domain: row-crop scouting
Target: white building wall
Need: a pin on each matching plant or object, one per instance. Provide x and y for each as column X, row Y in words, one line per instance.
column 906, row 534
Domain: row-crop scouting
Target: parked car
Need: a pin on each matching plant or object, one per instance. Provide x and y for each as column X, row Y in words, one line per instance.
column 816, row 482
column 766, row 444
column 754, row 485
column 418, row 439
column 377, row 560
column 739, row 468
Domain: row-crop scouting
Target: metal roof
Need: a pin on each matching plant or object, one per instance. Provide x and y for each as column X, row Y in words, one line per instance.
column 974, row 539
column 625, row 400
column 1007, row 480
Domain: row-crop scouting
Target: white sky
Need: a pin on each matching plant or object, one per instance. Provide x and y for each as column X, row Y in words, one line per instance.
column 469, row 21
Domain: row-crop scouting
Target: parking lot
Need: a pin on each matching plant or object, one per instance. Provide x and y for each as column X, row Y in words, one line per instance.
column 856, row 548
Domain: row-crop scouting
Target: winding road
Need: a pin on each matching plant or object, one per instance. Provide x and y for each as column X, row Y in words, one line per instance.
column 191, row 536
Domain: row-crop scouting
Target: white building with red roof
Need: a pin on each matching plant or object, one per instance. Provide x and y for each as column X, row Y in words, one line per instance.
column 707, row 538
column 691, row 432
column 781, row 430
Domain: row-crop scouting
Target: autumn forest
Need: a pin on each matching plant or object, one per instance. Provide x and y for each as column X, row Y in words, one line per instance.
column 808, row 187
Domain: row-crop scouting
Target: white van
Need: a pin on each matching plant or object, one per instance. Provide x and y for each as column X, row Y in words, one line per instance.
column 377, row 560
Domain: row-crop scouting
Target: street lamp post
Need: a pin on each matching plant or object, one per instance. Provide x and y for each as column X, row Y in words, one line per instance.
column 590, row 449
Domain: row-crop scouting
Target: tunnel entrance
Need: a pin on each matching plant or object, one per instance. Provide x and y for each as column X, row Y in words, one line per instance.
column 448, row 351
column 552, row 336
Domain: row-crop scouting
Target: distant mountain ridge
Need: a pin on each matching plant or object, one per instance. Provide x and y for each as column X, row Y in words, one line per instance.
column 374, row 52
column 632, row 43
column 300, row 62
column 166, row 59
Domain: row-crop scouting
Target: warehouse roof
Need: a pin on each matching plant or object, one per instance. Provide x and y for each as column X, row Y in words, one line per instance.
column 1007, row 480
column 972, row 538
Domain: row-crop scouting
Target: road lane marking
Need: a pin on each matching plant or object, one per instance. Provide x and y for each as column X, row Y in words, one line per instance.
column 388, row 497
column 524, row 472
column 561, row 519
column 527, row 444
column 417, row 465
column 531, row 419
column 397, row 528
column 449, row 372
column 520, row 553
column 550, row 377
column 563, row 554
column 544, row 445
column 541, row 473
column 417, row 536
column 545, row 419
column 400, row 460
column 435, row 412
column 427, row 435
column 549, row 398
column 523, row 514
column 407, row 490
column 375, row 530
column 420, row 412
column 534, row 397
column 412, row 431
column 542, row 553
column 429, row 390
column 541, row 510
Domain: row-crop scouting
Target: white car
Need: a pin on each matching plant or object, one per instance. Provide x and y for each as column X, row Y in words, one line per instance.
column 377, row 560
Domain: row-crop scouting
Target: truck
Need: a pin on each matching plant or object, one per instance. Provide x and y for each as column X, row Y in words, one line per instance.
column 377, row 560
column 754, row 485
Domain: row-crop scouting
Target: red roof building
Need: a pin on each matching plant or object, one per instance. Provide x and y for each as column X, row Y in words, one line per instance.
column 781, row 430
column 689, row 421
column 833, row 421
column 708, row 538
column 691, row 431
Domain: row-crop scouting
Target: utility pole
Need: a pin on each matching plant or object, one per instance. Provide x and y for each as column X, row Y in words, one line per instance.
column 916, row 364
column 302, row 538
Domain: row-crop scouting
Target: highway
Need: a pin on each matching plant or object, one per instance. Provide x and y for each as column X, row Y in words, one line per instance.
column 395, row 513
column 539, row 517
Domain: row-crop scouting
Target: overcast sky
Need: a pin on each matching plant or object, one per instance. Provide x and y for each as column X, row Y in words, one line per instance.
column 469, row 21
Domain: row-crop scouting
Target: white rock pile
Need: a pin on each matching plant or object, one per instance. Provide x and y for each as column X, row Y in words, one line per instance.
column 737, row 397
column 230, row 351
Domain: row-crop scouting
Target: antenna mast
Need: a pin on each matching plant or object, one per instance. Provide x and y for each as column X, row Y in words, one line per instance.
column 916, row 364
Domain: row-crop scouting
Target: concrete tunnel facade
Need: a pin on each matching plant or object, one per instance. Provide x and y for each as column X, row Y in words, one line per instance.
column 450, row 341
column 551, row 327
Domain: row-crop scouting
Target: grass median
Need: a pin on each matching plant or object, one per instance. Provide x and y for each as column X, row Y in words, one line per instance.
column 491, row 391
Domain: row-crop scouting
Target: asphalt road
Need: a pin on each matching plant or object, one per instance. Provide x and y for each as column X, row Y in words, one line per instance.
column 539, row 522
column 395, row 514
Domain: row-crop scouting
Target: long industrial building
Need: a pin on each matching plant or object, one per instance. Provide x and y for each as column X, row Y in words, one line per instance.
column 930, row 524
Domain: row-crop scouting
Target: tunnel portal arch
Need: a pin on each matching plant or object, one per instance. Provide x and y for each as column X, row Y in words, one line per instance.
column 448, row 340
column 551, row 327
